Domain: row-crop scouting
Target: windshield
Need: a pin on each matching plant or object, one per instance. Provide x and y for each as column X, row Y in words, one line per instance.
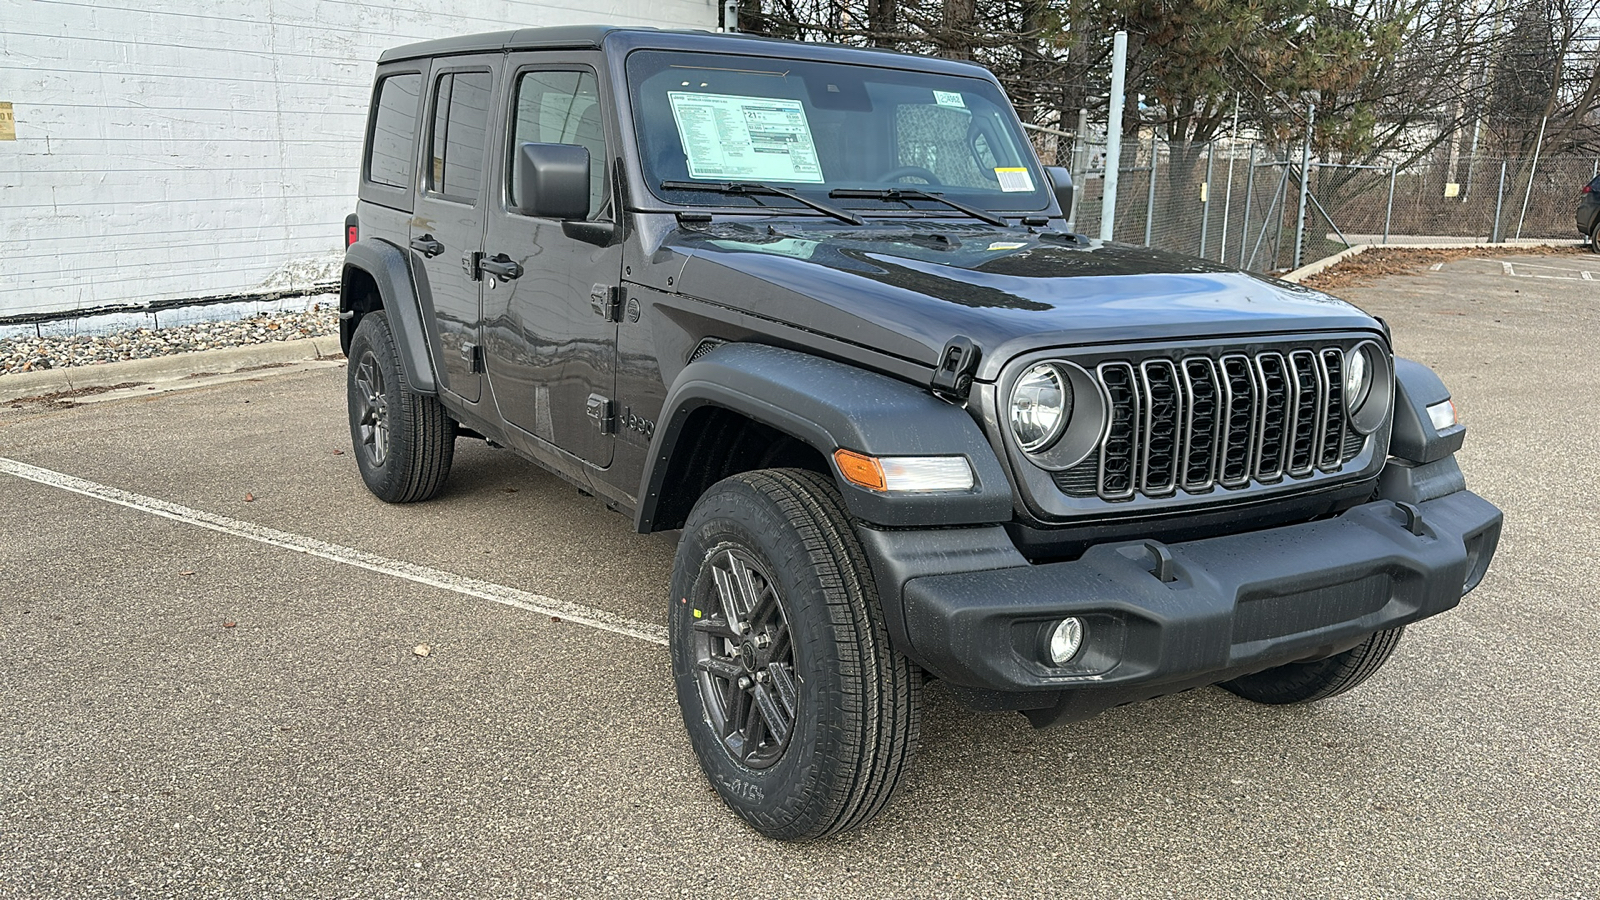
column 825, row 130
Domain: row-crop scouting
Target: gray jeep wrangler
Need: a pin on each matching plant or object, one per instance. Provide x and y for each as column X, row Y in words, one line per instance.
column 818, row 309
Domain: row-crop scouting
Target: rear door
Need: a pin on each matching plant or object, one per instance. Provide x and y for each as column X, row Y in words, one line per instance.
column 447, row 224
column 550, row 334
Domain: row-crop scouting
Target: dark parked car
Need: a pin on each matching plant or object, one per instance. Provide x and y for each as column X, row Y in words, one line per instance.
column 818, row 309
column 1589, row 213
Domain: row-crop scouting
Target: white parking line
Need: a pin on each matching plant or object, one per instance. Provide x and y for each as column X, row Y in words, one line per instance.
column 460, row 584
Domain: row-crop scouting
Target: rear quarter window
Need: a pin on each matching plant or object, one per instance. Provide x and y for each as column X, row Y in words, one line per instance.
column 391, row 148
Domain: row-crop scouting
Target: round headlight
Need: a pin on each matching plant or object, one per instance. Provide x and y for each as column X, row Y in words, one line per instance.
column 1358, row 377
column 1039, row 406
column 1368, row 386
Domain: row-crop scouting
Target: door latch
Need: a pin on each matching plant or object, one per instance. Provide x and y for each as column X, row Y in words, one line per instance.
column 472, row 355
column 606, row 301
column 599, row 409
column 471, row 263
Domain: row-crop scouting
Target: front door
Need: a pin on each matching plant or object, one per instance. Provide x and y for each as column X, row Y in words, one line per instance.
column 447, row 225
column 549, row 340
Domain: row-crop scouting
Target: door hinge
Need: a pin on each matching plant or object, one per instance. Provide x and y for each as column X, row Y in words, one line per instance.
column 471, row 263
column 599, row 409
column 606, row 301
column 958, row 362
column 473, row 354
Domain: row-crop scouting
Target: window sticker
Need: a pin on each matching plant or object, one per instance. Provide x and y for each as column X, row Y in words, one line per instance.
column 745, row 138
column 949, row 98
column 1006, row 245
column 1014, row 179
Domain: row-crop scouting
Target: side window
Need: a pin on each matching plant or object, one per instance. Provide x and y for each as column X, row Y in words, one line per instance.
column 562, row 108
column 392, row 147
column 460, row 122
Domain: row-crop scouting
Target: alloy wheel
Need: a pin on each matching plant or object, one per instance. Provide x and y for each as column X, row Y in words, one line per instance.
column 744, row 657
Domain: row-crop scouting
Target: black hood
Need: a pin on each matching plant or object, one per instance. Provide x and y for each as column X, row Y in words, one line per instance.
column 906, row 288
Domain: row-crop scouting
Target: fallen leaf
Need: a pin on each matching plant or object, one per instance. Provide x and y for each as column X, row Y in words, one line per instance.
column 338, row 453
column 249, row 498
column 229, row 624
column 509, row 490
column 555, row 618
column 422, row 649
column 189, row 572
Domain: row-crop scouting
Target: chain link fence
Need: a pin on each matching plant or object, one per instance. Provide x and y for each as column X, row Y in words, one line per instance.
column 1239, row 202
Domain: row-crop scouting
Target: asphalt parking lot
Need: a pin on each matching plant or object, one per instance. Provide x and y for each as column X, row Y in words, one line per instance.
column 210, row 682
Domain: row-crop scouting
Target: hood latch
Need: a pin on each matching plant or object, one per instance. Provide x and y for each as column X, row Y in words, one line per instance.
column 958, row 362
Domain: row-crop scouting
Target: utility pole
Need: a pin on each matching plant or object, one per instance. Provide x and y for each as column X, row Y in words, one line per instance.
column 1119, row 72
column 1227, row 199
column 1305, row 185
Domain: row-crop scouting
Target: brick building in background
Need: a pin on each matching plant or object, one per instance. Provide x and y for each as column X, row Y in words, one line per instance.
column 175, row 149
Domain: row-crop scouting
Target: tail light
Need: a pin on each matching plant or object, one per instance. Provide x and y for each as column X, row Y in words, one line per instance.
column 1588, row 189
column 352, row 229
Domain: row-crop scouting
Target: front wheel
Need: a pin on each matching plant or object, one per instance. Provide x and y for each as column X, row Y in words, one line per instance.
column 1306, row 682
column 803, row 718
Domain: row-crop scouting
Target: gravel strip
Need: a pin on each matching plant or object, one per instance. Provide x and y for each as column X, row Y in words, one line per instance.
column 33, row 354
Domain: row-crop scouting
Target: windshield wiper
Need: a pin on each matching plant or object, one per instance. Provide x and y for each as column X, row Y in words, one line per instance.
column 903, row 194
column 752, row 187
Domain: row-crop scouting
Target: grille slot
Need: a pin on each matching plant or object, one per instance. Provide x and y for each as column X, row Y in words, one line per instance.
column 1201, row 426
column 1273, row 426
column 1163, row 416
column 1331, row 453
column 1196, row 423
column 1119, row 454
column 1308, row 400
column 1238, row 420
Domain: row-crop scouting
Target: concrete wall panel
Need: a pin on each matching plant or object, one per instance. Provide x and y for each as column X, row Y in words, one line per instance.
column 174, row 149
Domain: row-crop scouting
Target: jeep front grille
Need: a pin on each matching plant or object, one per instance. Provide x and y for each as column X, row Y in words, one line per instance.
column 1197, row 422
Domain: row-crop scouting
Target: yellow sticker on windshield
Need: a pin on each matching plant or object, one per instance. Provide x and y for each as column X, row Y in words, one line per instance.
column 1007, row 245
column 1013, row 180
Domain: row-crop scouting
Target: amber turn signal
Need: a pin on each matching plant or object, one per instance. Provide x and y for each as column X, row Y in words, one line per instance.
column 859, row 469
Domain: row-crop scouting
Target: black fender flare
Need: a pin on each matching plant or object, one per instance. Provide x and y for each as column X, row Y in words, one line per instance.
column 389, row 269
column 1416, row 388
column 829, row 405
column 1422, row 459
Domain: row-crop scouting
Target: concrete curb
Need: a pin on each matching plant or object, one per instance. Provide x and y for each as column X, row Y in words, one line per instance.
column 177, row 366
column 1310, row 269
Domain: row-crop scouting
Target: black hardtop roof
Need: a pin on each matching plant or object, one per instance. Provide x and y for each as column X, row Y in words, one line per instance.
column 592, row 37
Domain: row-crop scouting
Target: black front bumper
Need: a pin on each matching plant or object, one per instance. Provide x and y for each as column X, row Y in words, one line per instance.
column 1162, row 618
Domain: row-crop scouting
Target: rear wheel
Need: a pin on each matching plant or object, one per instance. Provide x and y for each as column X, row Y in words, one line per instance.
column 1319, row 679
column 404, row 441
column 803, row 718
column 1594, row 236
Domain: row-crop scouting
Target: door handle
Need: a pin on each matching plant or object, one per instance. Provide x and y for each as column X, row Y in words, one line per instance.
column 502, row 267
column 427, row 246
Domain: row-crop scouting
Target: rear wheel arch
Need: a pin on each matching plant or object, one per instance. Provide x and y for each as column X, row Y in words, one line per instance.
column 377, row 275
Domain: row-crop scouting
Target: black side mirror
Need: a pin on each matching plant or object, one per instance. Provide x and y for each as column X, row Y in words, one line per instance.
column 552, row 181
column 1061, row 183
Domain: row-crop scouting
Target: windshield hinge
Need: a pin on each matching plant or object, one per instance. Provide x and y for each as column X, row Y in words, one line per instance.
column 958, row 362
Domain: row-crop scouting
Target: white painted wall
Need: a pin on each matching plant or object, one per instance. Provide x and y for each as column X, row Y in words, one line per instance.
column 174, row 149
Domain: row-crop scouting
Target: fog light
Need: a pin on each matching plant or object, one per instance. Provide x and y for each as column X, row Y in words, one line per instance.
column 1066, row 639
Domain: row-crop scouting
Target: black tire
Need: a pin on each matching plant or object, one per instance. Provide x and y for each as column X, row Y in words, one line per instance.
column 404, row 441
column 1320, row 679
column 1594, row 236
column 810, row 607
